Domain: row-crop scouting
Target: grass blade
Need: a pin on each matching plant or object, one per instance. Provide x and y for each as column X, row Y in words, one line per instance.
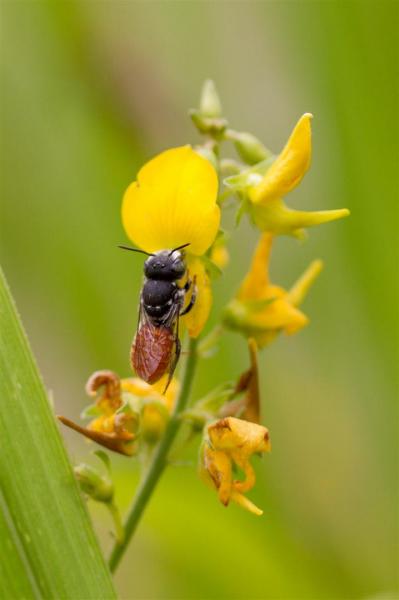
column 47, row 543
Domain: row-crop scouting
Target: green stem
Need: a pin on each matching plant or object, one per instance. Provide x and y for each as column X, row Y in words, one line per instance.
column 116, row 517
column 159, row 460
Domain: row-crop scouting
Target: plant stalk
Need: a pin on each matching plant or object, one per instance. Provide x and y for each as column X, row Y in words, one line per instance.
column 159, row 460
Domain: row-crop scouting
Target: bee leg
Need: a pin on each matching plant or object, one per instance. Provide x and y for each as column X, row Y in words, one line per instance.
column 192, row 299
column 176, row 357
column 187, row 285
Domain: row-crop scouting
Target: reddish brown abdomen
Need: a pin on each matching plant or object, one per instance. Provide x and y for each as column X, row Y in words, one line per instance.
column 151, row 352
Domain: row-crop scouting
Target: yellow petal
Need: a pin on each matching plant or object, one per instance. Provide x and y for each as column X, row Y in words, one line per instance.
column 173, row 202
column 277, row 218
column 196, row 319
column 248, row 482
column 243, row 501
column 257, row 280
column 279, row 314
column 301, row 287
column 138, row 387
column 231, row 434
column 172, row 391
column 153, row 423
column 220, row 255
column 218, row 466
column 289, row 167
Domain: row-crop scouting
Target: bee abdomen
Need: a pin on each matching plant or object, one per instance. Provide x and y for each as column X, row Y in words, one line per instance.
column 152, row 352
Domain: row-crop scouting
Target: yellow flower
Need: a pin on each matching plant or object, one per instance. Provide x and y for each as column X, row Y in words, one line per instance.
column 265, row 184
column 173, row 202
column 233, row 441
column 261, row 310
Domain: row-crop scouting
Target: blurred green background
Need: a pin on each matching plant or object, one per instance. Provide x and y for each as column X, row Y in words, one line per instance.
column 91, row 90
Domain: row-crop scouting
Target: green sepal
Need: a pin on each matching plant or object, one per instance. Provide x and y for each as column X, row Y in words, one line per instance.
column 242, row 209
column 249, row 177
column 214, row 126
column 211, row 268
column 92, row 410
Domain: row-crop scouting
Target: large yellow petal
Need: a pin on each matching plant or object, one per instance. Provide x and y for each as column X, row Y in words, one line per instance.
column 173, row 202
column 289, row 167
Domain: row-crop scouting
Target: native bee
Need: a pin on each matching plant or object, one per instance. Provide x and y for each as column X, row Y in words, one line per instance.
column 156, row 346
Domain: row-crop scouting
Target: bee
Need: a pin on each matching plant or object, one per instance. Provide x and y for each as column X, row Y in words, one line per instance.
column 156, row 346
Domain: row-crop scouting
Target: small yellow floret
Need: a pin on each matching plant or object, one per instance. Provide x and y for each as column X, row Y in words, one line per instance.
column 261, row 310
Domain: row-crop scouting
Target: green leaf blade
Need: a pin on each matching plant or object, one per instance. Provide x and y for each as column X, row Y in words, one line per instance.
column 48, row 539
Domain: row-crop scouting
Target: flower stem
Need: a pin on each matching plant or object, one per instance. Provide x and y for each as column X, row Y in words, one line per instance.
column 159, row 460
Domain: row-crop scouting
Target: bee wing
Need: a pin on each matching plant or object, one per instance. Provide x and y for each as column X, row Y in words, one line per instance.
column 172, row 321
column 171, row 318
column 153, row 345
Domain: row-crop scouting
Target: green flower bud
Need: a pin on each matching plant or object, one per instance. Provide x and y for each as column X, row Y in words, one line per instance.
column 214, row 126
column 249, row 148
column 99, row 487
column 249, row 177
column 210, row 105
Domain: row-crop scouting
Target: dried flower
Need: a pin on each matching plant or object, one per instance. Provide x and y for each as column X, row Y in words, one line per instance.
column 232, row 441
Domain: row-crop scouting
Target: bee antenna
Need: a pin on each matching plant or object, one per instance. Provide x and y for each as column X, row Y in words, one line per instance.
column 135, row 250
column 179, row 248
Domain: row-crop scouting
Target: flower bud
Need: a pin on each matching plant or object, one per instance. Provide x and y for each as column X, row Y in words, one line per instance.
column 249, row 148
column 153, row 422
column 210, row 105
column 99, row 487
column 213, row 126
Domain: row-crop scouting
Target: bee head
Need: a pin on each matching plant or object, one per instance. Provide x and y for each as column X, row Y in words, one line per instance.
column 167, row 265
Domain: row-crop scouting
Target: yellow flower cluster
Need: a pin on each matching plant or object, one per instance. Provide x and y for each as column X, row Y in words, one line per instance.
column 174, row 202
